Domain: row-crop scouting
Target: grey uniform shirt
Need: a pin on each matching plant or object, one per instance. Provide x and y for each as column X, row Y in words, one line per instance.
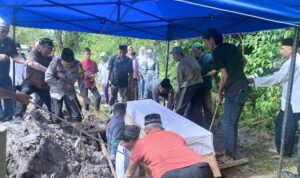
column 56, row 85
column 188, row 73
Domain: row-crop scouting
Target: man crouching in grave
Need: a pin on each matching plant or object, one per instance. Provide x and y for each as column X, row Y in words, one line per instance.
column 61, row 76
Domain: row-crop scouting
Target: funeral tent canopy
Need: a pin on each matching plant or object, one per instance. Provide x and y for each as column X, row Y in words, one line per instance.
column 152, row 19
column 158, row 20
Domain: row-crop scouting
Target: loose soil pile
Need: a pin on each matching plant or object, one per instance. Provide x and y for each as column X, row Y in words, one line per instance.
column 38, row 149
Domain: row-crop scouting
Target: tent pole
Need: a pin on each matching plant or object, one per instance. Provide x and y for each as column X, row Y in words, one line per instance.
column 168, row 55
column 167, row 64
column 288, row 99
column 14, row 38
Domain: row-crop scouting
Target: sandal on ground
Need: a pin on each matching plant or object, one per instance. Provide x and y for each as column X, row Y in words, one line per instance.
column 220, row 154
column 225, row 159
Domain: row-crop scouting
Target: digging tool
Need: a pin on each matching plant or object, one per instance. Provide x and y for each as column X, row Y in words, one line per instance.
column 213, row 119
column 104, row 150
column 63, row 120
column 79, row 145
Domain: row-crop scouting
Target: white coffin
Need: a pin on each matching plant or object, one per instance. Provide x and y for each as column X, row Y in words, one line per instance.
column 196, row 137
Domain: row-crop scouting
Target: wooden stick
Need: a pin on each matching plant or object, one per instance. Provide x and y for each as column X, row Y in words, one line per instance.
column 104, row 150
column 234, row 163
column 213, row 119
column 3, row 138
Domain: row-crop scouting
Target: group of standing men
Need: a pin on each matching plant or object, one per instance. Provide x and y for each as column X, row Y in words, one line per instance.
column 194, row 85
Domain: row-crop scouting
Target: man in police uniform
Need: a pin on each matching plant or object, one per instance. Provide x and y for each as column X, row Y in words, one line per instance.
column 61, row 76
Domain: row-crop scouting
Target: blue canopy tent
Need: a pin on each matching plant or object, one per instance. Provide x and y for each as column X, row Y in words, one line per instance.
column 151, row 19
column 157, row 19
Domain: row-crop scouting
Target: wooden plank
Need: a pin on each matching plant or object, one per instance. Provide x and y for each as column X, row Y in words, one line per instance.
column 213, row 164
column 234, row 163
column 2, row 151
column 104, row 150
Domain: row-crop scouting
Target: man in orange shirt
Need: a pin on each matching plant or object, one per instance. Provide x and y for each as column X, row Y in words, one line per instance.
column 166, row 154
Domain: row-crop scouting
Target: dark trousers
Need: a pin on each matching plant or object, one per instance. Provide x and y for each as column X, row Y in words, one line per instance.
column 291, row 129
column 105, row 93
column 28, row 89
column 232, row 113
column 205, row 101
column 37, row 101
column 96, row 94
column 7, row 103
column 189, row 96
column 201, row 170
column 114, row 94
column 72, row 108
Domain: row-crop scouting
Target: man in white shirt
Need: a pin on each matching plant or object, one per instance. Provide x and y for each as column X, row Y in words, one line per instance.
column 129, row 138
column 281, row 77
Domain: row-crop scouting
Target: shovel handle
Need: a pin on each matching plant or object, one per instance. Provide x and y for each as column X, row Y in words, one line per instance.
column 213, row 119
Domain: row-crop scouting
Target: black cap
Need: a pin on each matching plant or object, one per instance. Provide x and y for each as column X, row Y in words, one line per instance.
column 152, row 118
column 119, row 107
column 67, row 55
column 287, row 42
column 165, row 83
column 46, row 41
column 131, row 132
column 122, row 47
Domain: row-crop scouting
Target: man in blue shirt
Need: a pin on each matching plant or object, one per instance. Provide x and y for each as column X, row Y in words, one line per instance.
column 114, row 129
column 205, row 62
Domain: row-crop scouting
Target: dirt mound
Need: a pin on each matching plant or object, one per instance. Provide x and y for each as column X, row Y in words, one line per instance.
column 36, row 148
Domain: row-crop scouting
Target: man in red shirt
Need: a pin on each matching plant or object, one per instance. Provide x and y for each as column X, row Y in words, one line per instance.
column 166, row 154
column 90, row 72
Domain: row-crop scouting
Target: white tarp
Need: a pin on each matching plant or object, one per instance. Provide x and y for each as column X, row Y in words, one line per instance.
column 198, row 138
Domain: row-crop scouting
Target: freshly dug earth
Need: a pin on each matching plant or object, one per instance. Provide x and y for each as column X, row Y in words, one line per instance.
column 38, row 149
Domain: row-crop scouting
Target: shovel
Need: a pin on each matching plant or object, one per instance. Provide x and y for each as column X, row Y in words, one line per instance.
column 213, row 119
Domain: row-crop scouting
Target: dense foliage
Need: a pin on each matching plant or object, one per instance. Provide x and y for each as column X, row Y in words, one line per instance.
column 261, row 50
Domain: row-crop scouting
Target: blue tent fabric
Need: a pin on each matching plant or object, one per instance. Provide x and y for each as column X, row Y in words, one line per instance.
column 152, row 19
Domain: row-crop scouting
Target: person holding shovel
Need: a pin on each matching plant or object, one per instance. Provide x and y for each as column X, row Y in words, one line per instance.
column 233, row 86
column 34, row 82
column 61, row 76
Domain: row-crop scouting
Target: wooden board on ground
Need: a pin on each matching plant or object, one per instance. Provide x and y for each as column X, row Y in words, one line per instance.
column 234, row 163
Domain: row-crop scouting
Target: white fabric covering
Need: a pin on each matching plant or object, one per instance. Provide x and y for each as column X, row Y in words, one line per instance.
column 196, row 137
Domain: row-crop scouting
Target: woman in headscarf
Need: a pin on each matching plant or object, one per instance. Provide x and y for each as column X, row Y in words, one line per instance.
column 141, row 58
column 152, row 69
